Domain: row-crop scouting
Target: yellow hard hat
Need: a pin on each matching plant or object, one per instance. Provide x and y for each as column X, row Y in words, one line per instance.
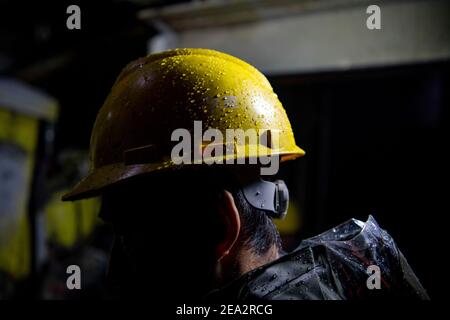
column 162, row 92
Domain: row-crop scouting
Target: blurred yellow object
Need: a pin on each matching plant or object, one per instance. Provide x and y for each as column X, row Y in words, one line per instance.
column 18, row 139
column 24, row 109
column 67, row 223
column 15, row 258
column 292, row 223
column 5, row 120
column 18, row 129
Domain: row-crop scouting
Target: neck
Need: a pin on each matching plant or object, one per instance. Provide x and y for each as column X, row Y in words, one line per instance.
column 235, row 265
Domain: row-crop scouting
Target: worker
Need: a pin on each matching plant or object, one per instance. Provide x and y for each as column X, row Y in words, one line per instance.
column 196, row 221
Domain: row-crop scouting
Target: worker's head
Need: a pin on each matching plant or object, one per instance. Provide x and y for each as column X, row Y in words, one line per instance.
column 186, row 231
column 168, row 116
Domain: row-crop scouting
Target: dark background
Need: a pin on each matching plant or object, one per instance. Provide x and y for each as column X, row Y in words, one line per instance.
column 374, row 138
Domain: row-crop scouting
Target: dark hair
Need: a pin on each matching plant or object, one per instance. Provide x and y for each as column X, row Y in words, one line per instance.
column 258, row 230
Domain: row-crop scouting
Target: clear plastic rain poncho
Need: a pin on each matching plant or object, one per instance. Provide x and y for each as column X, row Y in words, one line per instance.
column 354, row 260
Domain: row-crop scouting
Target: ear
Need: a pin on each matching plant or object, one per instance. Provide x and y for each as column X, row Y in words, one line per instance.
column 231, row 221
